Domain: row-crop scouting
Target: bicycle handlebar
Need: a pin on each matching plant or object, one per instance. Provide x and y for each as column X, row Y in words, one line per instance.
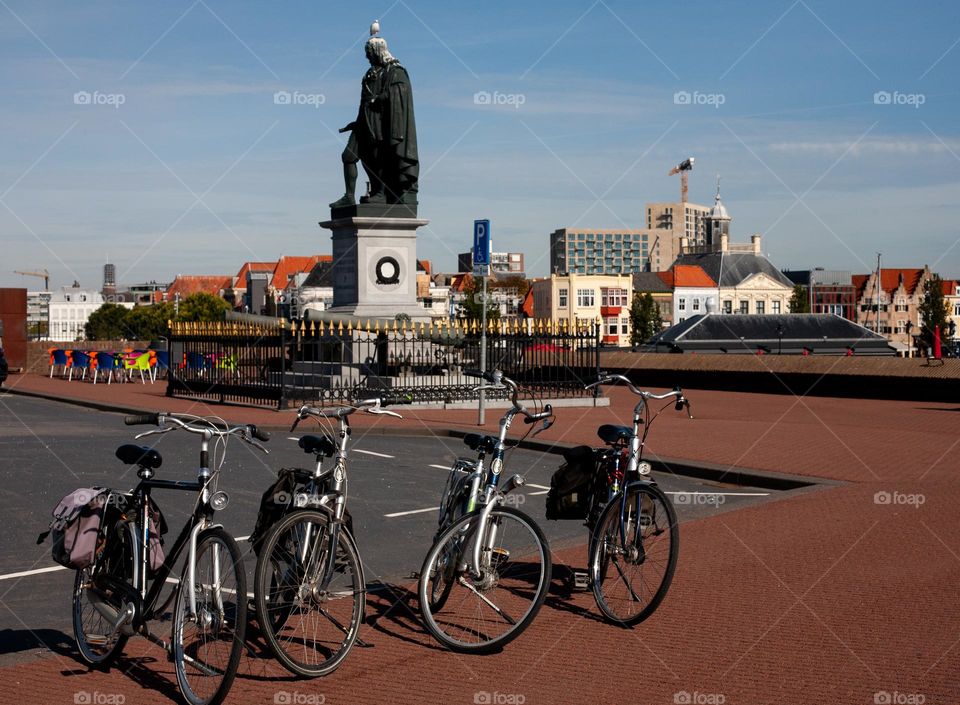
column 374, row 405
column 246, row 432
column 682, row 401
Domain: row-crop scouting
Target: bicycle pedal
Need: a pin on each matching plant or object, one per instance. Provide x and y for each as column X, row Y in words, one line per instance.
column 581, row 580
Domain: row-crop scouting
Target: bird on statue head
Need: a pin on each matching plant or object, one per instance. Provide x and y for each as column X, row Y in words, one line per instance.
column 374, row 28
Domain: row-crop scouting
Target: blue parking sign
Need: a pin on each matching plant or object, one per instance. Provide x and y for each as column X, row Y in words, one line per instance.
column 481, row 242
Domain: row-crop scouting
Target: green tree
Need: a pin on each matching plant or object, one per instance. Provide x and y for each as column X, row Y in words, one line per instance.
column 933, row 311
column 150, row 322
column 202, row 307
column 109, row 322
column 471, row 307
column 512, row 281
column 645, row 320
column 799, row 301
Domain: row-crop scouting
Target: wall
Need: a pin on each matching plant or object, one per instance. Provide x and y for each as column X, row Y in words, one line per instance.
column 13, row 313
column 859, row 377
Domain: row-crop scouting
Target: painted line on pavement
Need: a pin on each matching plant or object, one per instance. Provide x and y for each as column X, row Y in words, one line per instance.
column 26, row 573
column 413, row 511
column 726, row 494
column 370, row 452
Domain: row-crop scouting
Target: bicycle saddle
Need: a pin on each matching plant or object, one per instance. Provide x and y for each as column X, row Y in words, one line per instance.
column 475, row 441
column 609, row 433
column 139, row 455
column 319, row 445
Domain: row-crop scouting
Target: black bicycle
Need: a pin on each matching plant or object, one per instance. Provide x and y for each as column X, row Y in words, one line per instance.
column 635, row 536
column 120, row 592
column 309, row 589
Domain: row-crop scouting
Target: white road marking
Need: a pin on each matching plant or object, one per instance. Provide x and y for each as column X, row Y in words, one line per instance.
column 413, row 511
column 727, row 494
column 25, row 573
column 370, row 452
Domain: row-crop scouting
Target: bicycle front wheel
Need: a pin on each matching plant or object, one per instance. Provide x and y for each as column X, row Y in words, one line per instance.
column 207, row 643
column 310, row 619
column 483, row 612
column 635, row 547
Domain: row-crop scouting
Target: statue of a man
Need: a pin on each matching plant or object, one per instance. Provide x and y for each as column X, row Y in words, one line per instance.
column 384, row 135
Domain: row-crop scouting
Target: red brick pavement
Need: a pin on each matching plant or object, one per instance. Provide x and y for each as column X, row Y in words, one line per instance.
column 828, row 596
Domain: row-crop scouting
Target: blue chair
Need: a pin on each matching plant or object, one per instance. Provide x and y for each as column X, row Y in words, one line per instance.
column 81, row 361
column 58, row 358
column 108, row 363
column 196, row 362
column 163, row 364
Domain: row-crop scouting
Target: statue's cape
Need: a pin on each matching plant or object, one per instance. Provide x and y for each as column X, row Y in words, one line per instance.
column 400, row 128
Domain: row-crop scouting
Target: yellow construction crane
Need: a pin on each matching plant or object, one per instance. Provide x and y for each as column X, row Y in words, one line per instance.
column 37, row 273
column 683, row 168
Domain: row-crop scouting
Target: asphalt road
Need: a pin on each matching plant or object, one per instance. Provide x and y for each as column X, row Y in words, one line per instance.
column 49, row 449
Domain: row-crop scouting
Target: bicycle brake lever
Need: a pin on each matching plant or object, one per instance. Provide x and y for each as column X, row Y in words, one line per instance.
column 547, row 423
column 381, row 411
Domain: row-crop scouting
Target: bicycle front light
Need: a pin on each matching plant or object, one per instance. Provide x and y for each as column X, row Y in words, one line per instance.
column 219, row 501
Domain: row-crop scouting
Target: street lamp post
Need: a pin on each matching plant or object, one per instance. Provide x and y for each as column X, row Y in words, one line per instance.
column 779, row 338
column 909, row 328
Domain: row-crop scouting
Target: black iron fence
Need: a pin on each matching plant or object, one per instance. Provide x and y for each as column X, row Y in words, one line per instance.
column 325, row 363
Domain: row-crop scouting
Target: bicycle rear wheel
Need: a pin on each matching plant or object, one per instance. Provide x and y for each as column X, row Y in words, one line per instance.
column 207, row 645
column 634, row 557
column 483, row 613
column 310, row 627
column 96, row 605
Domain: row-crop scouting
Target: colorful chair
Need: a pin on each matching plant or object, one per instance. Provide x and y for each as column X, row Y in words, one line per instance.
column 79, row 361
column 58, row 358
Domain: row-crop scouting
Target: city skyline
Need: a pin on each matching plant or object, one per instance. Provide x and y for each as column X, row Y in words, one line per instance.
column 192, row 137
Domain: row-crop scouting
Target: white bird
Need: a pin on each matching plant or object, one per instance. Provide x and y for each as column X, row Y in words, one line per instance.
column 375, row 27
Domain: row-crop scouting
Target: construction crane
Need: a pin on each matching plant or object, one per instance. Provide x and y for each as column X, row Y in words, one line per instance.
column 682, row 168
column 37, row 273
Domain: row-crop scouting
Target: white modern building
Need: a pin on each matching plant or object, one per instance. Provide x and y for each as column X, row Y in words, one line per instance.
column 70, row 309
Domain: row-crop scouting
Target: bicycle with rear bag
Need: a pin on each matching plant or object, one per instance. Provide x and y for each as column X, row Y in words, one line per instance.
column 309, row 590
column 487, row 574
column 112, row 539
column 634, row 535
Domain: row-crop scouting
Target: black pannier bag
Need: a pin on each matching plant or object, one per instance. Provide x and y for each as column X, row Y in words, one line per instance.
column 288, row 494
column 572, row 485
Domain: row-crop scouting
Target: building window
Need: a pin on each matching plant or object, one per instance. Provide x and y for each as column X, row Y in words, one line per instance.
column 696, row 304
column 761, row 307
column 562, row 298
column 681, row 304
column 744, row 306
column 585, row 298
column 613, row 327
column 775, row 306
column 728, row 306
column 613, row 297
column 956, row 309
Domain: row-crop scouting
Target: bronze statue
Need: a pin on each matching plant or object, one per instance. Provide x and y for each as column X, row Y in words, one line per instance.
column 384, row 135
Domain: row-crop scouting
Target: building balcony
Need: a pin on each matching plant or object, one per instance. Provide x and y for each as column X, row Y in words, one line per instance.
column 610, row 311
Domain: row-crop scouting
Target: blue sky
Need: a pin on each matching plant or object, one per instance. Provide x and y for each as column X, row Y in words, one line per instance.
column 199, row 169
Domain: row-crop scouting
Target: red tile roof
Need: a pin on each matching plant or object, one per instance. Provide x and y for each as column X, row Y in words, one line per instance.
column 289, row 266
column 240, row 281
column 890, row 280
column 424, row 266
column 949, row 287
column 461, row 282
column 185, row 285
column 691, row 275
column 526, row 308
column 667, row 277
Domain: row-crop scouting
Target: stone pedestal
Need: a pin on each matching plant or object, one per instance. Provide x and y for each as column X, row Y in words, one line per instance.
column 375, row 266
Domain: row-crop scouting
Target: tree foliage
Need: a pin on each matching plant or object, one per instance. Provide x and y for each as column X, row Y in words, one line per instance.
column 471, row 307
column 115, row 322
column 799, row 300
column 645, row 320
column 933, row 310
column 107, row 323
column 202, row 307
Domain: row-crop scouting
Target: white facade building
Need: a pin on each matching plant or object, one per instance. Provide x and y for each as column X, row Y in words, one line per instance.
column 70, row 309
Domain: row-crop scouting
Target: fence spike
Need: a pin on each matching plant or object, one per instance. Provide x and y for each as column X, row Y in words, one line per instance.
column 339, row 326
column 367, row 329
column 403, row 326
